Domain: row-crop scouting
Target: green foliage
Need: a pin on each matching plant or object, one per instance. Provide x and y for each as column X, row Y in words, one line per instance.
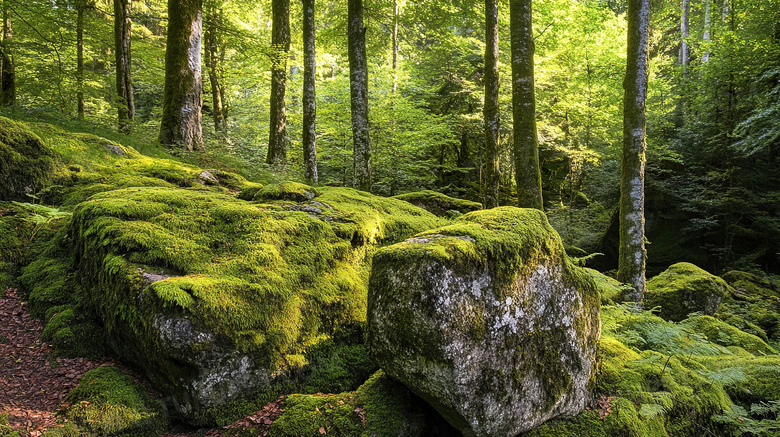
column 5, row 428
column 439, row 204
column 25, row 161
column 107, row 402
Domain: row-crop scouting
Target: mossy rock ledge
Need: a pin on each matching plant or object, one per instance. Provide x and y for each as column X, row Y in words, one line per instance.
column 218, row 299
column 487, row 320
column 684, row 288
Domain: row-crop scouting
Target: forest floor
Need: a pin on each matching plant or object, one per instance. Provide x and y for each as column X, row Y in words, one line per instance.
column 34, row 384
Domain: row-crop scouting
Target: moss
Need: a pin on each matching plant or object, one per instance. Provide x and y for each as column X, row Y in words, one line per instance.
column 747, row 379
column 440, row 204
column 724, row 334
column 381, row 407
column 72, row 335
column 5, row 429
column 288, row 190
column 753, row 306
column 108, row 402
column 25, row 161
column 683, row 289
column 610, row 289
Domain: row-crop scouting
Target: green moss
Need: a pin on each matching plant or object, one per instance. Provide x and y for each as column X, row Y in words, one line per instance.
column 747, row 379
column 288, row 190
column 440, row 204
column 25, row 161
column 381, row 407
column 724, row 334
column 683, row 289
column 108, row 402
column 610, row 289
column 73, row 335
column 753, row 306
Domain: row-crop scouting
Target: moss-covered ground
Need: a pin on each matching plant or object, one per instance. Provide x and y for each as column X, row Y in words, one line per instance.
column 282, row 268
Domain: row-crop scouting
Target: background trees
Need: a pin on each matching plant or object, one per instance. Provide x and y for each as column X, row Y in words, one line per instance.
column 711, row 163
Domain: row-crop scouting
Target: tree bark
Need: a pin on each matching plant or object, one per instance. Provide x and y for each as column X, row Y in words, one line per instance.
column 632, row 254
column 706, row 37
column 309, row 93
column 8, row 73
column 280, row 47
column 124, row 84
column 395, row 45
column 684, row 31
column 358, row 86
column 490, row 110
column 80, row 7
column 183, row 93
column 213, row 52
column 528, row 176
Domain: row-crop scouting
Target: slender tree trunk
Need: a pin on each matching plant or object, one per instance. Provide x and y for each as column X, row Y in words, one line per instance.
column 280, row 46
column 395, row 45
column 213, row 50
column 632, row 254
column 8, row 73
column 684, row 31
column 80, row 7
column 124, row 84
column 490, row 110
column 309, row 93
column 183, row 94
column 528, row 176
column 707, row 26
column 358, row 86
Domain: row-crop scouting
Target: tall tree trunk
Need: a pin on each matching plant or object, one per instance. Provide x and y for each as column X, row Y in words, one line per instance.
column 80, row 7
column 395, row 45
column 632, row 254
column 183, row 94
column 490, row 110
column 358, row 86
column 528, row 176
column 213, row 52
column 280, row 47
column 707, row 27
column 684, row 52
column 8, row 73
column 124, row 83
column 309, row 93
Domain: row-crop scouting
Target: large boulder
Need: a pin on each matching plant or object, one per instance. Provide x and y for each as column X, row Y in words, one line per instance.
column 684, row 288
column 216, row 298
column 487, row 320
column 25, row 161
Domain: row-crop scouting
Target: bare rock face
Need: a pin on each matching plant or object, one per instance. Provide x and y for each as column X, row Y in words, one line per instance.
column 487, row 320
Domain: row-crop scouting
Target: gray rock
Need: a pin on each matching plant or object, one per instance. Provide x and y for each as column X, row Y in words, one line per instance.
column 207, row 178
column 116, row 150
column 487, row 320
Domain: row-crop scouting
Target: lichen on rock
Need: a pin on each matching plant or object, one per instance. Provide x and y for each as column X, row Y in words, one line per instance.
column 487, row 320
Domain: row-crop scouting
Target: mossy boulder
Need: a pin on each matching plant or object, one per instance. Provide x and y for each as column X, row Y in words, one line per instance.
column 25, row 161
column 487, row 320
column 610, row 289
column 683, row 289
column 753, row 306
column 439, row 204
column 108, row 402
column 214, row 297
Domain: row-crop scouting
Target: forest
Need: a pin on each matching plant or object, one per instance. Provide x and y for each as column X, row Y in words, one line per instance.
column 390, row 218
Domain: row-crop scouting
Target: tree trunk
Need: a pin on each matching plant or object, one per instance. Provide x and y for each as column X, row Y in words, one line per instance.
column 213, row 52
column 395, row 45
column 490, row 110
column 8, row 73
column 358, row 86
column 632, row 254
column 280, row 47
column 124, row 84
column 309, row 93
column 684, row 53
column 183, row 94
column 80, row 6
column 707, row 25
column 526, row 149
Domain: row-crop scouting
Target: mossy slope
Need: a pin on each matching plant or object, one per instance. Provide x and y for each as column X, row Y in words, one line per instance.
column 684, row 288
column 439, row 204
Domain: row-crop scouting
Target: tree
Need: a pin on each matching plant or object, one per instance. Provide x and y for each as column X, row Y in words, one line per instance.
column 80, row 7
column 632, row 254
column 490, row 110
column 183, row 92
column 8, row 73
column 358, row 86
column 124, row 83
column 309, row 93
column 526, row 149
column 214, row 51
column 280, row 49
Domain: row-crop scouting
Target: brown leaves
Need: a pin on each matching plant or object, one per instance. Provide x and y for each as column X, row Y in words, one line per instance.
column 362, row 414
column 602, row 404
column 262, row 420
